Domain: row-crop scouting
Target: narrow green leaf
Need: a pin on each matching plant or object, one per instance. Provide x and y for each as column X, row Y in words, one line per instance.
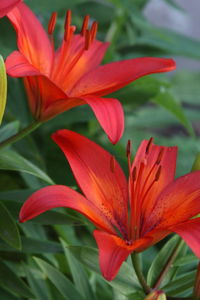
column 180, row 285
column 8, row 228
column 3, row 88
column 30, row 245
column 160, row 261
column 8, row 130
column 11, row 160
column 168, row 101
column 10, row 281
column 79, row 275
column 126, row 281
column 62, row 283
column 188, row 259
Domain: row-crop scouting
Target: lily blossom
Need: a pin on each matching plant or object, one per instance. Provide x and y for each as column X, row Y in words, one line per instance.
column 7, row 5
column 129, row 216
column 58, row 80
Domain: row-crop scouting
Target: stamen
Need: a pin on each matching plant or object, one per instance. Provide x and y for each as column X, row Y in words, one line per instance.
column 149, row 145
column 112, row 164
column 134, row 174
column 87, row 39
column 93, row 30
column 68, row 33
column 68, row 19
column 157, row 176
column 52, row 23
column 160, row 156
column 128, row 148
column 85, row 25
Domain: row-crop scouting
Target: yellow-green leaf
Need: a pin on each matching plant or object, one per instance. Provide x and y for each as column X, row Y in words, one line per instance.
column 3, row 87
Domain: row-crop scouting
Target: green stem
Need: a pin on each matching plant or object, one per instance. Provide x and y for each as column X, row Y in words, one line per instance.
column 20, row 135
column 168, row 263
column 136, row 264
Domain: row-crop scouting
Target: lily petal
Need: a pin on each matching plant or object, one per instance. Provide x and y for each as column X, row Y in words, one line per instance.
column 18, row 66
column 178, row 202
column 189, row 231
column 7, row 5
column 153, row 157
column 109, row 112
column 103, row 184
column 113, row 251
column 33, row 41
column 111, row 77
column 48, row 96
column 62, row 196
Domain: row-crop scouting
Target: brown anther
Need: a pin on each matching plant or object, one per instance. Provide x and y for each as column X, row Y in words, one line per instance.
column 157, row 176
column 93, row 30
column 134, row 174
column 128, row 148
column 68, row 18
column 160, row 156
column 52, row 23
column 87, row 39
column 85, row 25
column 112, row 164
column 150, row 142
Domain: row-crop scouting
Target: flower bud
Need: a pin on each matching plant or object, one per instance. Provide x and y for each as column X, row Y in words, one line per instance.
column 156, row 295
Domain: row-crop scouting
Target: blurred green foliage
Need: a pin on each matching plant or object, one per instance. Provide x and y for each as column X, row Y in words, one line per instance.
column 33, row 264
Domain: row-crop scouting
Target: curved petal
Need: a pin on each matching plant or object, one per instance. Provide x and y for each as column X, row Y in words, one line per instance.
column 109, row 113
column 153, row 158
column 42, row 94
column 62, row 196
column 113, row 251
column 178, row 202
column 111, row 77
column 18, row 66
column 189, row 231
column 7, row 5
column 103, row 184
column 75, row 61
column 33, row 41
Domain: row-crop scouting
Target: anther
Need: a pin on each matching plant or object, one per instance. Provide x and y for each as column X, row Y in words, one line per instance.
column 157, row 176
column 128, row 148
column 134, row 174
column 160, row 156
column 112, row 164
column 93, row 30
column 150, row 142
column 87, row 39
column 68, row 19
column 85, row 25
column 52, row 23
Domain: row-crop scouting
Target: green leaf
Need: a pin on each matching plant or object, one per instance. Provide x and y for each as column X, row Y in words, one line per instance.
column 188, row 259
column 168, row 101
column 8, row 228
column 10, row 281
column 3, row 88
column 62, row 283
column 79, row 275
column 160, row 261
column 30, row 245
column 8, row 130
column 180, row 285
column 11, row 160
column 126, row 281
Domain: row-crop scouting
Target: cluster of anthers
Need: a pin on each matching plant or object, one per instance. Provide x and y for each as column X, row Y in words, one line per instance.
column 89, row 34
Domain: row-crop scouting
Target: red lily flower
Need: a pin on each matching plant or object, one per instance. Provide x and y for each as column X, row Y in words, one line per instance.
column 130, row 216
column 57, row 80
column 7, row 5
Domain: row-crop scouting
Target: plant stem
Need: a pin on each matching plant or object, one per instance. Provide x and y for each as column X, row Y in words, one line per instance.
column 20, row 135
column 136, row 264
column 168, row 263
